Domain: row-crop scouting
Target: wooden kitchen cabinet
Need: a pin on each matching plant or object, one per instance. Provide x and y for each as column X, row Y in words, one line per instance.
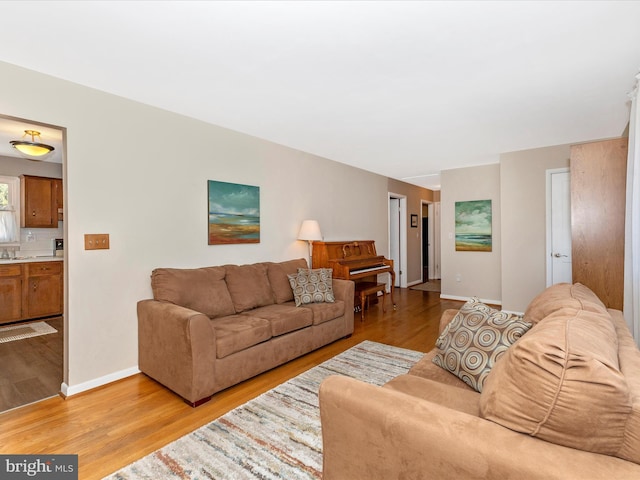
column 31, row 290
column 57, row 184
column 10, row 293
column 39, row 200
column 43, row 295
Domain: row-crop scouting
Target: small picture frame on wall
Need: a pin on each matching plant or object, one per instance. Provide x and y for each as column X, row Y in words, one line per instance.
column 414, row 220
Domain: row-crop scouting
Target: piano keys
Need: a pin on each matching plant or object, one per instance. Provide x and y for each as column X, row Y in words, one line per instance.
column 353, row 260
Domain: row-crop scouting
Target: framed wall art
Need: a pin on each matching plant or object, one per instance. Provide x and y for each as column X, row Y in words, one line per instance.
column 473, row 226
column 414, row 220
column 234, row 213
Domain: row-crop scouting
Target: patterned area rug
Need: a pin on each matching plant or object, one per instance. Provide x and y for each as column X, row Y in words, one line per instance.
column 18, row 332
column 274, row 436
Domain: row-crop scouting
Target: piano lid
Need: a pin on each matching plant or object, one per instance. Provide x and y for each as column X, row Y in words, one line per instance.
column 325, row 253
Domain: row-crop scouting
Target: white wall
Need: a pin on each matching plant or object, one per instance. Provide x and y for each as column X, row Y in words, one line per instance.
column 523, row 192
column 479, row 272
column 515, row 271
column 131, row 172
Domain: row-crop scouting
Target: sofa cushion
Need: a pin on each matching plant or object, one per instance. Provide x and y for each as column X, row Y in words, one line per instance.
column 249, row 286
column 463, row 400
column 561, row 382
column 312, row 286
column 425, row 368
column 283, row 318
column 235, row 333
column 201, row 289
column 563, row 296
column 475, row 340
column 323, row 312
column 279, row 281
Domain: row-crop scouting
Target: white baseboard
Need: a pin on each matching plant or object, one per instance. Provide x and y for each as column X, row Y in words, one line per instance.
column 68, row 391
column 464, row 299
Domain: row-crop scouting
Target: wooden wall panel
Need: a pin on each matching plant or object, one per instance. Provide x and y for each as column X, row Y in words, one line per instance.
column 598, row 186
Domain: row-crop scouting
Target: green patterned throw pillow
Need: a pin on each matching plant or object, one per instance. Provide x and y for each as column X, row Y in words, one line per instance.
column 475, row 339
column 312, row 286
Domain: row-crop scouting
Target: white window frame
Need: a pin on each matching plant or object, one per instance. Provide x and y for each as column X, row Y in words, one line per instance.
column 14, row 200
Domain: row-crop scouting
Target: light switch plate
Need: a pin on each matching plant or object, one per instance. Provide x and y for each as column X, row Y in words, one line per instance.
column 96, row 241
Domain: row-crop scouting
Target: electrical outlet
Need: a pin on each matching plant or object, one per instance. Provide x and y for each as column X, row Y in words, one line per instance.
column 96, row 241
column 458, row 277
column 31, row 237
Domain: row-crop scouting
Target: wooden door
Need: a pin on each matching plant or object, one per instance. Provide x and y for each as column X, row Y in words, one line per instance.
column 598, row 197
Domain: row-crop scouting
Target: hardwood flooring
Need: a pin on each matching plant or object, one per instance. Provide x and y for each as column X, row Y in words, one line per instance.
column 114, row 425
column 31, row 367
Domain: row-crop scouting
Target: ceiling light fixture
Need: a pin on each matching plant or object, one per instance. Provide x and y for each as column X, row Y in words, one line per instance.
column 32, row 148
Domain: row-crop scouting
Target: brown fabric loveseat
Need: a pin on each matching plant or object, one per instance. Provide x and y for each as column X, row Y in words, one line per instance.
column 209, row 328
column 562, row 402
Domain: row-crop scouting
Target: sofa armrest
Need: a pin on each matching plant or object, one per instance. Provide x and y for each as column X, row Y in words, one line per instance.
column 176, row 347
column 369, row 432
column 345, row 290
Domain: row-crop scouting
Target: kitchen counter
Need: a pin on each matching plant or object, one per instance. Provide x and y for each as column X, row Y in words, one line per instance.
column 50, row 258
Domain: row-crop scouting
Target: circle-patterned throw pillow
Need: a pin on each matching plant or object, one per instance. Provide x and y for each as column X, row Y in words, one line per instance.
column 475, row 339
column 312, row 286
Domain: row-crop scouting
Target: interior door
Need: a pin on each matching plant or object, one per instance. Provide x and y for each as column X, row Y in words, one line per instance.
column 559, row 249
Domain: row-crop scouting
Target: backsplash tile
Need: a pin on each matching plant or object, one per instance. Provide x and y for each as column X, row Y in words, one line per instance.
column 43, row 240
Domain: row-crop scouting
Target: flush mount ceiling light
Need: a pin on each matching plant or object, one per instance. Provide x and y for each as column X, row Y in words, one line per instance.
column 32, row 148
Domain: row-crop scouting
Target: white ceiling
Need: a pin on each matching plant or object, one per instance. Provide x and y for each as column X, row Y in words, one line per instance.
column 403, row 89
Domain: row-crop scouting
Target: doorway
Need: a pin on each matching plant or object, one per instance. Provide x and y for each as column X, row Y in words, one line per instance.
column 428, row 232
column 398, row 236
column 33, row 347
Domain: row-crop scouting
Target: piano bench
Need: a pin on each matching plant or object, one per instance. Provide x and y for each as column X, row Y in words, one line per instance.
column 364, row 289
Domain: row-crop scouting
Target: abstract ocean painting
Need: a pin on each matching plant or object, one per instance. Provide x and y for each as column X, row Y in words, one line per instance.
column 473, row 226
column 234, row 213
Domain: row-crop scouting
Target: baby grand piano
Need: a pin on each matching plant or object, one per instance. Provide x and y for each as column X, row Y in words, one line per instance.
column 353, row 260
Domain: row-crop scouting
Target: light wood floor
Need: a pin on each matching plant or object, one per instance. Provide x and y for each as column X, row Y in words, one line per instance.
column 114, row 425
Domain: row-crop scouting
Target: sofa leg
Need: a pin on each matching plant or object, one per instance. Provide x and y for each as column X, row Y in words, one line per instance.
column 347, row 336
column 197, row 403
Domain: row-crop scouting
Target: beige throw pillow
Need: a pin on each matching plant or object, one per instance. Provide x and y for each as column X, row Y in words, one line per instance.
column 312, row 286
column 475, row 339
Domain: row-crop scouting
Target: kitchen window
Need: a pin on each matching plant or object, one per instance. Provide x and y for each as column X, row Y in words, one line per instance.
column 9, row 211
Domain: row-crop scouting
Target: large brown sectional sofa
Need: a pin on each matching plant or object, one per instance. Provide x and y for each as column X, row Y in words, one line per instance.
column 562, row 402
column 209, row 328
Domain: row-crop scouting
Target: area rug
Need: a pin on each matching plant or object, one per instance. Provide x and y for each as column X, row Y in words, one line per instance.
column 274, row 436
column 18, row 332
column 432, row 286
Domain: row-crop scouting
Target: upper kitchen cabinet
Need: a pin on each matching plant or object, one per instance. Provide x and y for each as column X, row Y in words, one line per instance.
column 41, row 201
column 57, row 183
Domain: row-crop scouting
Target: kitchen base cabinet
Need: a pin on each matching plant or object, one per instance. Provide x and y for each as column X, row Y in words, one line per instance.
column 10, row 293
column 44, row 289
column 30, row 290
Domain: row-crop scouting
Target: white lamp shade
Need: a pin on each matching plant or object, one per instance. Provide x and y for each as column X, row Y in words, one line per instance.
column 310, row 230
